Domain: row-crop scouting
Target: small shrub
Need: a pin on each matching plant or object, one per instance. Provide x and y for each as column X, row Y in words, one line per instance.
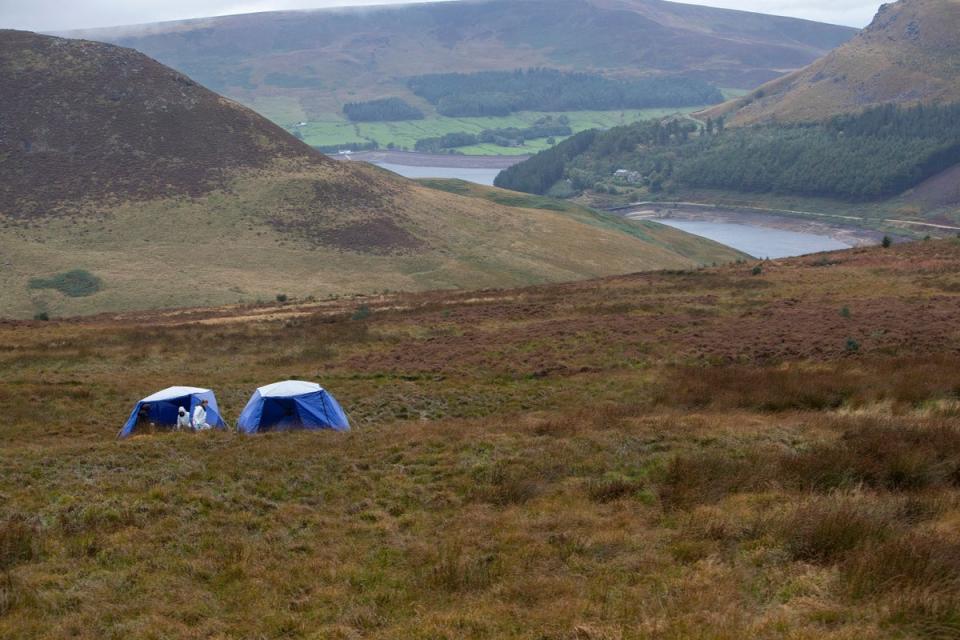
column 281, row 297
column 75, row 284
column 852, row 346
column 362, row 313
column 42, row 316
column 757, row 270
column 886, row 242
column 845, row 312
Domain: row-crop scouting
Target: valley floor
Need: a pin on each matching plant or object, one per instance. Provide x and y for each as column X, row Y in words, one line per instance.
column 763, row 450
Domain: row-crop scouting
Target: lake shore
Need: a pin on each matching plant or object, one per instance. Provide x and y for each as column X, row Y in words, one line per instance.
column 414, row 159
column 848, row 234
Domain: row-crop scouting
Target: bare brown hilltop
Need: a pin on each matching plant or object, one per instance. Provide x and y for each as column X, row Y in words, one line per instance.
column 909, row 54
column 86, row 121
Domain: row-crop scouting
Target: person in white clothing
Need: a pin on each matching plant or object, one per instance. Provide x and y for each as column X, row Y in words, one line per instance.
column 200, row 417
column 183, row 419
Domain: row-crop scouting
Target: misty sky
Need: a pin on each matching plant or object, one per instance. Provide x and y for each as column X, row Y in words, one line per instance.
column 57, row 15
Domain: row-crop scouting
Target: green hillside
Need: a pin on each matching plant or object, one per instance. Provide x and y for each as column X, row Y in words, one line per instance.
column 909, row 54
column 139, row 188
column 306, row 67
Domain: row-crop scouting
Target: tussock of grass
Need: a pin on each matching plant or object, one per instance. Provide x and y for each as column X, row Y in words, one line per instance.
column 892, row 457
column 824, row 529
column 19, row 542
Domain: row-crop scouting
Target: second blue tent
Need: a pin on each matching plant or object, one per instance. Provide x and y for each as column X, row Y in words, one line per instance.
column 292, row 404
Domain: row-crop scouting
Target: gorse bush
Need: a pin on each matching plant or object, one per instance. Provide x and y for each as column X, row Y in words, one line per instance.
column 76, row 284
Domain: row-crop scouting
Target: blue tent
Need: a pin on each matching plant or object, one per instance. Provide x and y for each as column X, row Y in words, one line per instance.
column 163, row 405
column 292, row 404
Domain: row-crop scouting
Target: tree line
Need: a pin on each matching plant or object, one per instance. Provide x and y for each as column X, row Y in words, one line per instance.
column 872, row 155
column 383, row 110
column 506, row 137
column 500, row 93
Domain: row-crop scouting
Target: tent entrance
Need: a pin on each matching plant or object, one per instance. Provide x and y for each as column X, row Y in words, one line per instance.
column 161, row 415
column 280, row 414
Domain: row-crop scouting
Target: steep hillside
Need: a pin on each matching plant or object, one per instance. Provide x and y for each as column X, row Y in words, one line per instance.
column 158, row 192
column 715, row 454
column 909, row 54
column 306, row 65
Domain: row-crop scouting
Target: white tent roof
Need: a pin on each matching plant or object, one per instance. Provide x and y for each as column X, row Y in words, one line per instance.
column 289, row 388
column 173, row 392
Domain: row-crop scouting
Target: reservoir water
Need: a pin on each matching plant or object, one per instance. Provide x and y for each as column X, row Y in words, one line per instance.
column 479, row 176
column 759, row 242
column 756, row 240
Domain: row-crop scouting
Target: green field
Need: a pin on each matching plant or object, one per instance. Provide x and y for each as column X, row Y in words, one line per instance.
column 405, row 134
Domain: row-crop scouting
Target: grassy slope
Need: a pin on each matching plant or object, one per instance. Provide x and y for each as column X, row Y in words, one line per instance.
column 700, row 250
column 406, row 134
column 348, row 55
column 220, row 248
column 908, row 54
column 674, row 455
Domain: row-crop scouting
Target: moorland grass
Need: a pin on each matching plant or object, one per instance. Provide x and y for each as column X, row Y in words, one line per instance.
column 518, row 468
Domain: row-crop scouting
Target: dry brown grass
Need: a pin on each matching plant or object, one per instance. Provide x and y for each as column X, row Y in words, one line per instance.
column 519, row 468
